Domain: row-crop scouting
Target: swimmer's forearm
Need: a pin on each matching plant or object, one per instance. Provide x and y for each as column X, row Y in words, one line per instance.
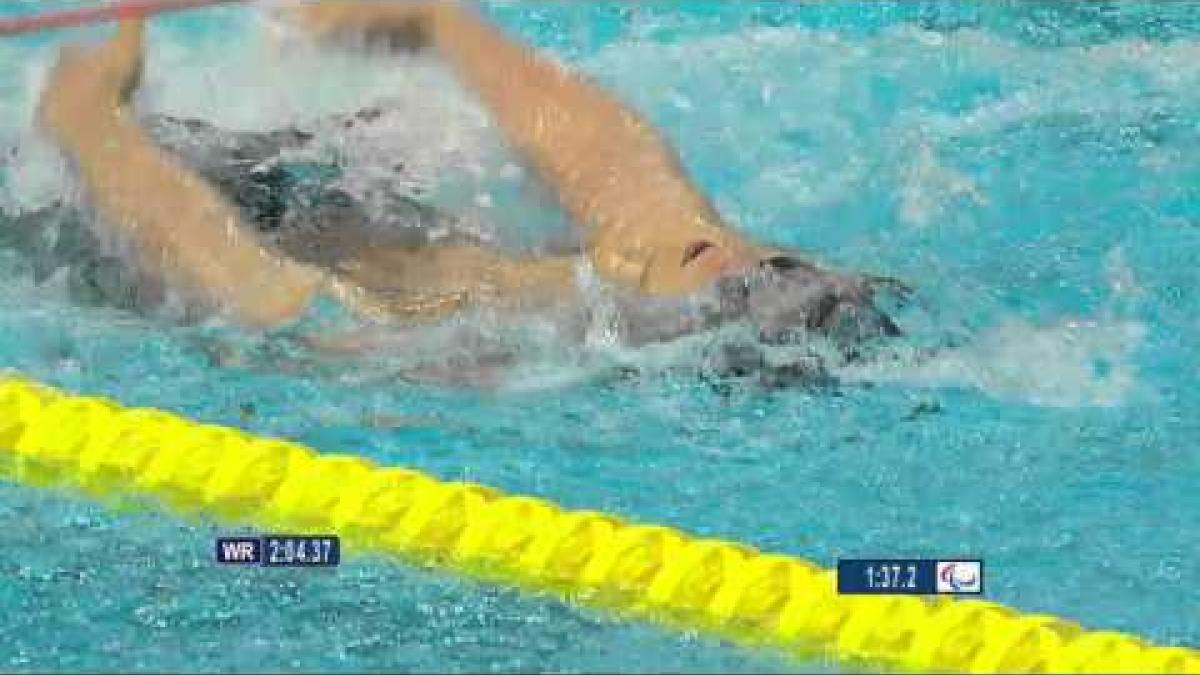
column 180, row 226
column 613, row 172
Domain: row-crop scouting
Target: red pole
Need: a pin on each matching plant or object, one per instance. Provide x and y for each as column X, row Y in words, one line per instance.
column 111, row 12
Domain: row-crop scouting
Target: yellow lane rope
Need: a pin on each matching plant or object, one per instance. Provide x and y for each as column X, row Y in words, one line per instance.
column 51, row 438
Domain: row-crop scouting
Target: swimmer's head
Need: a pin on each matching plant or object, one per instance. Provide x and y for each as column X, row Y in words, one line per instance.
column 785, row 296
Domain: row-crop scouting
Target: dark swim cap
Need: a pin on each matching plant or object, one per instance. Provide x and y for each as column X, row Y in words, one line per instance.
column 784, row 296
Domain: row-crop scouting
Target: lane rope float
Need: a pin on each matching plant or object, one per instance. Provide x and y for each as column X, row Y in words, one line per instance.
column 50, row 438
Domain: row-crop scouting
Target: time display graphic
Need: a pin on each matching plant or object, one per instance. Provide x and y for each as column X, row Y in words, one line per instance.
column 300, row 551
column 910, row 577
column 280, row 550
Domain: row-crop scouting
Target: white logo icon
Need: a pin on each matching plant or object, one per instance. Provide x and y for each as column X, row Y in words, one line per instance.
column 959, row 576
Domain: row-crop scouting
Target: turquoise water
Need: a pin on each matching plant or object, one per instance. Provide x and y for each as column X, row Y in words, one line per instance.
column 1033, row 169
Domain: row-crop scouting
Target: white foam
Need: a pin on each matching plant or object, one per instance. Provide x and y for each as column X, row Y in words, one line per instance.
column 759, row 87
column 249, row 80
column 1076, row 362
column 929, row 187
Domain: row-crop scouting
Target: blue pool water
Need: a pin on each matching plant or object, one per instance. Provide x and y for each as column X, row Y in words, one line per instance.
column 1032, row 168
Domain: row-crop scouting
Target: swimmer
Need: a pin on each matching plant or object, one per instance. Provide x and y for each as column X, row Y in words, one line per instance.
column 645, row 227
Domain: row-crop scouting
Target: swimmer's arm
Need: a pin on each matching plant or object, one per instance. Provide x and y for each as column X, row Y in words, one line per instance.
column 178, row 224
column 613, row 172
column 182, row 229
column 432, row 282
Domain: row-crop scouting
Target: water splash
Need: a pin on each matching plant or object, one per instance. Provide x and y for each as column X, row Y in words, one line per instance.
column 834, row 128
column 1069, row 364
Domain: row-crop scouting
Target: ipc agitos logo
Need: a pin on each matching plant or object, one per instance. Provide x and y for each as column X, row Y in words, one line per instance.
column 960, row 576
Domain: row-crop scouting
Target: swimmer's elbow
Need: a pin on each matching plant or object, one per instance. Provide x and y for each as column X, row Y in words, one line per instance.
column 265, row 316
column 261, row 307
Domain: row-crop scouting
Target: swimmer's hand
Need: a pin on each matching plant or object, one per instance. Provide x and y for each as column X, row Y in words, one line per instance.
column 89, row 85
column 400, row 24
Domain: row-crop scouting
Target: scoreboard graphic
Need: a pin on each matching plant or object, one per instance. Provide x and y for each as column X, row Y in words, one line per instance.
column 910, row 576
column 280, row 550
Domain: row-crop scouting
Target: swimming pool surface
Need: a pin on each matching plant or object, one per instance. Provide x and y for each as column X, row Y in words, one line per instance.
column 1032, row 168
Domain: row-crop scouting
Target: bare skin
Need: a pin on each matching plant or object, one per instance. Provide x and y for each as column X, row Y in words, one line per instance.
column 648, row 228
column 176, row 223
